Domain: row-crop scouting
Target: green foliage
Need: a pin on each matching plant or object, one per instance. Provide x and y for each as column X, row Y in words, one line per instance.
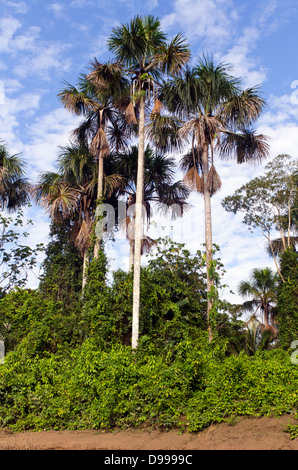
column 287, row 300
column 43, row 324
column 75, row 369
column 61, row 278
column 191, row 386
column 172, row 302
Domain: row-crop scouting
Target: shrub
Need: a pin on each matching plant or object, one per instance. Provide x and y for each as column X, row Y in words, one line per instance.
column 190, row 386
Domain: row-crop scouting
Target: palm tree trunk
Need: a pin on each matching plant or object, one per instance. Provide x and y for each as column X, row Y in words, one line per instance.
column 99, row 197
column 85, row 266
column 138, row 227
column 131, row 256
column 266, row 314
column 208, row 236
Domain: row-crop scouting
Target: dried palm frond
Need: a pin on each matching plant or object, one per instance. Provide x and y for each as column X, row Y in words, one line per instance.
column 130, row 116
column 204, row 127
column 74, row 232
column 147, row 244
column 100, row 144
column 157, row 107
column 193, row 180
column 82, row 241
column 213, row 181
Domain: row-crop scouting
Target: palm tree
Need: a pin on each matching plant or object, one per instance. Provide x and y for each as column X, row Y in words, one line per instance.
column 98, row 98
column 159, row 190
column 14, row 188
column 142, row 49
column 71, row 194
column 217, row 115
column 261, row 289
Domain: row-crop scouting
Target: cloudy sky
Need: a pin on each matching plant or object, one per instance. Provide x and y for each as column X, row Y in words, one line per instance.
column 43, row 43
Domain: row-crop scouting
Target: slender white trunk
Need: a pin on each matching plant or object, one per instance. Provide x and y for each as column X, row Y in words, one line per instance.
column 85, row 266
column 131, row 256
column 208, row 235
column 99, row 196
column 138, row 227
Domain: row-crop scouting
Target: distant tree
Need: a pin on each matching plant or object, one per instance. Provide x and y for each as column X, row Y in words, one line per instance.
column 61, row 277
column 269, row 203
column 261, row 288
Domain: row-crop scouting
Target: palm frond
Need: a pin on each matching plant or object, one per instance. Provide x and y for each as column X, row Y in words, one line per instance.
column 278, row 246
column 173, row 57
column 76, row 101
column 100, row 144
column 163, row 131
column 245, row 146
column 213, row 181
column 243, row 108
column 193, row 180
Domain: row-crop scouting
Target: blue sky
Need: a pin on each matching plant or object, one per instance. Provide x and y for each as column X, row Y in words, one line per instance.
column 43, row 43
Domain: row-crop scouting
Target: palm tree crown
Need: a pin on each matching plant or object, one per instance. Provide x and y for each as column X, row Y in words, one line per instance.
column 261, row 289
column 14, row 188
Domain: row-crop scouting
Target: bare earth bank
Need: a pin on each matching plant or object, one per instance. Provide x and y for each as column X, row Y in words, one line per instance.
column 245, row 434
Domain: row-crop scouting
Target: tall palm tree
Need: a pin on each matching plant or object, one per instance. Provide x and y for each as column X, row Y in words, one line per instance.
column 217, row 115
column 14, row 188
column 98, row 97
column 141, row 46
column 261, row 288
column 160, row 190
column 69, row 194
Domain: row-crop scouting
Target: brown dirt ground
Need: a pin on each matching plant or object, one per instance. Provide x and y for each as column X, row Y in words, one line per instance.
column 241, row 434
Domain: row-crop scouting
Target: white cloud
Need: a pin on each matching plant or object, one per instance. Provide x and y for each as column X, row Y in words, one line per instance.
column 208, row 20
column 14, row 111
column 32, row 55
column 8, row 27
column 45, row 60
column 244, row 64
column 19, row 7
column 81, row 3
column 45, row 134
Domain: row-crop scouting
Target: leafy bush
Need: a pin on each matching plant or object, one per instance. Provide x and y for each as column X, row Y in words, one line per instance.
column 190, row 386
column 26, row 313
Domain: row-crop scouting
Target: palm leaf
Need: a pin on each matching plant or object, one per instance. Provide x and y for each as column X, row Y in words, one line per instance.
column 100, row 144
column 246, row 146
column 76, row 101
column 213, row 181
column 130, row 115
column 242, row 108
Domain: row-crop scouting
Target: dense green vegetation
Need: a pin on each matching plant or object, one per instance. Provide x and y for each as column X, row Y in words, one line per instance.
column 70, row 361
